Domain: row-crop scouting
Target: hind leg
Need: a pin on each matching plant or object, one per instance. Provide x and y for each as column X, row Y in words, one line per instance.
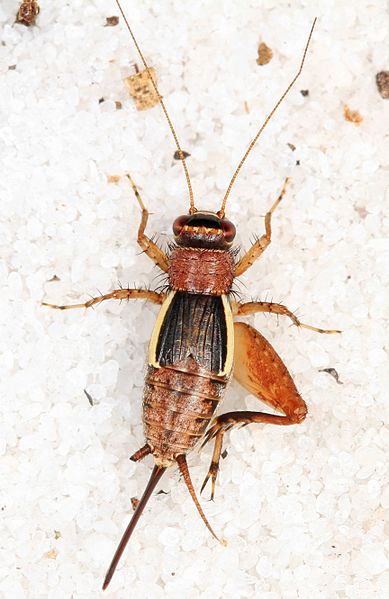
column 260, row 370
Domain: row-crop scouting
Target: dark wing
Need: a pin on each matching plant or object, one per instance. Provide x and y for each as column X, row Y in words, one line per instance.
column 194, row 326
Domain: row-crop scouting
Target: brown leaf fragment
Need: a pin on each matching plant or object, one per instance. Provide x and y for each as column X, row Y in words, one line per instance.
column 353, row 116
column 27, row 13
column 52, row 554
column 111, row 21
column 292, row 147
column 382, row 81
column 265, row 54
column 177, row 156
column 304, row 92
column 332, row 372
column 57, row 534
column 142, row 90
column 118, row 105
column 113, row 178
column 134, row 503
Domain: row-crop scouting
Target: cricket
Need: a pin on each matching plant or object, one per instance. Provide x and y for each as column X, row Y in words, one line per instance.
column 196, row 347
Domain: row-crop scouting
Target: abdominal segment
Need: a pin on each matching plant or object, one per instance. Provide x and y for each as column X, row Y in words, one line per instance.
column 178, row 404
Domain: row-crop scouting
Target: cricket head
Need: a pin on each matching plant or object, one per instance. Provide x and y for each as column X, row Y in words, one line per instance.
column 204, row 229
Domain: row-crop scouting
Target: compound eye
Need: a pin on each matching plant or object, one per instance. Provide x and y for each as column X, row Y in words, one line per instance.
column 228, row 229
column 179, row 223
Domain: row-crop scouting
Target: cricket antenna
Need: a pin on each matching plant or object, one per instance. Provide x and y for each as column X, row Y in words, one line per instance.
column 192, row 208
column 267, row 119
column 183, row 466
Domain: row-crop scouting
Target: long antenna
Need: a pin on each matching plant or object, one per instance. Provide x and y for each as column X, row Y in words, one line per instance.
column 267, row 119
column 192, row 208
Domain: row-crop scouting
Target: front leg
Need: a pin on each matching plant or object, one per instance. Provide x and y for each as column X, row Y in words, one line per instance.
column 280, row 309
column 148, row 246
column 119, row 294
column 263, row 242
column 260, row 370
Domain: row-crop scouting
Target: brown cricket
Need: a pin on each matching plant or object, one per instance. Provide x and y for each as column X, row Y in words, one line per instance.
column 196, row 346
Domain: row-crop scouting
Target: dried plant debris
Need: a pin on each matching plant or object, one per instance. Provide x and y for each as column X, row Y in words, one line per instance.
column 292, row 147
column 53, row 279
column 361, row 210
column 118, row 105
column 332, row 372
column 27, row 13
column 382, row 80
column 111, row 21
column 177, row 156
column 52, row 554
column 304, row 92
column 353, row 116
column 113, row 178
column 142, row 90
column 134, row 503
column 265, row 54
column 90, row 398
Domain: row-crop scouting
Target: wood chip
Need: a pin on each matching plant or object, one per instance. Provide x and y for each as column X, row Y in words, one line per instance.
column 142, row 90
column 27, row 13
column 177, row 156
column 111, row 21
column 353, row 116
column 265, row 54
column 113, row 178
column 382, row 80
column 134, row 503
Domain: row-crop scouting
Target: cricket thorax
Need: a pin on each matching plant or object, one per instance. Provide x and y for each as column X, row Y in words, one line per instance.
column 198, row 270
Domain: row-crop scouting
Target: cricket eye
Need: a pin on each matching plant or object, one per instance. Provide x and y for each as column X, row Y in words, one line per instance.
column 180, row 222
column 228, row 229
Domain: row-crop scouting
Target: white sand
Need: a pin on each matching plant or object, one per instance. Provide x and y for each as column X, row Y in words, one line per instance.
column 303, row 508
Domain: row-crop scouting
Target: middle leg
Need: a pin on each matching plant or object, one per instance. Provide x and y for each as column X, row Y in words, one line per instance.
column 118, row 294
column 272, row 308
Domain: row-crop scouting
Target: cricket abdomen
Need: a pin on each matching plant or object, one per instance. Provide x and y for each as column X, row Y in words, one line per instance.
column 178, row 404
column 190, row 363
